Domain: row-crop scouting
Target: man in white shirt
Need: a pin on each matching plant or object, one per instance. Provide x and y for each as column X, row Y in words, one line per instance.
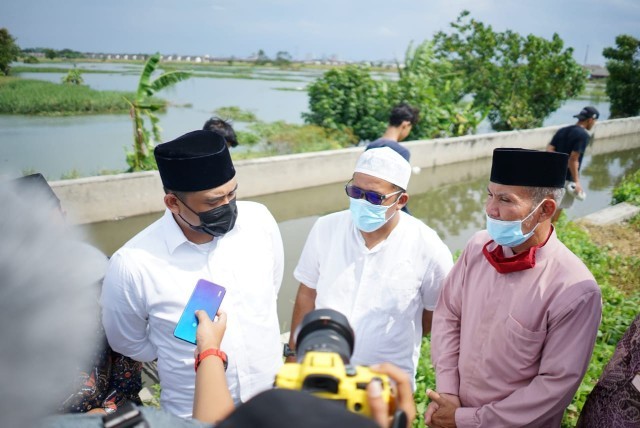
column 379, row 266
column 204, row 234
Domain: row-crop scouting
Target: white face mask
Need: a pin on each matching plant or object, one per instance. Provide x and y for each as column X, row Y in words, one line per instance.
column 509, row 233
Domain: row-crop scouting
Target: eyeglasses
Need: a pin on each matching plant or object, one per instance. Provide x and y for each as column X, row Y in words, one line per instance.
column 373, row 197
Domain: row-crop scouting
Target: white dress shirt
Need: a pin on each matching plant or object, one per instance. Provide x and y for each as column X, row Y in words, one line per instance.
column 150, row 279
column 382, row 291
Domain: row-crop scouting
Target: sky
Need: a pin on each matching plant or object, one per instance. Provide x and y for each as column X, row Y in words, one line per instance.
column 348, row 29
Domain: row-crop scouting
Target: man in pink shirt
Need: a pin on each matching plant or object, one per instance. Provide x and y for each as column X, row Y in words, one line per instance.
column 517, row 318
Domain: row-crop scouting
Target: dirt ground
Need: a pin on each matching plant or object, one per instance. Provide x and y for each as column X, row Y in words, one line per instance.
column 624, row 240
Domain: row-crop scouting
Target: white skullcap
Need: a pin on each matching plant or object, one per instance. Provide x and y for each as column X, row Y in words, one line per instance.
column 385, row 163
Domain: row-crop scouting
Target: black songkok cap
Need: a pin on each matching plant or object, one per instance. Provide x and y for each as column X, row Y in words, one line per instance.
column 533, row 168
column 199, row 160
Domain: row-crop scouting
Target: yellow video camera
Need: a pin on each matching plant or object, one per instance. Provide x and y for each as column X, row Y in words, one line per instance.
column 324, row 345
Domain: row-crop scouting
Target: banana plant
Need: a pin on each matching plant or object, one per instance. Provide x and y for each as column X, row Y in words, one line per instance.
column 145, row 105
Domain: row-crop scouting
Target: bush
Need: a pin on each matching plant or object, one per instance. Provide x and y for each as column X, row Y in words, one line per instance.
column 285, row 138
column 73, row 77
column 628, row 190
column 349, row 98
column 236, row 114
column 247, row 138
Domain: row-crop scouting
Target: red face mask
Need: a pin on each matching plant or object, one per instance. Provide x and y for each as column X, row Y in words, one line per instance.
column 522, row 261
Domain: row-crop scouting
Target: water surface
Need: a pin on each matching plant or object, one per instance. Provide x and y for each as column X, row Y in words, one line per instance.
column 92, row 145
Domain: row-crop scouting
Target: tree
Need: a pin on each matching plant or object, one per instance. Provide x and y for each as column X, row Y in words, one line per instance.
column 350, row 98
column 50, row 53
column 69, row 54
column 262, row 58
column 9, row 51
column 623, row 85
column 519, row 80
column 141, row 159
column 283, row 58
column 433, row 87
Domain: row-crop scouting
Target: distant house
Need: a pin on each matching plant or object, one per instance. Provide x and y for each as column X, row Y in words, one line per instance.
column 597, row 72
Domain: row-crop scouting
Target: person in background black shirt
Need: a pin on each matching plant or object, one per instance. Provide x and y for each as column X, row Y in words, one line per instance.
column 573, row 140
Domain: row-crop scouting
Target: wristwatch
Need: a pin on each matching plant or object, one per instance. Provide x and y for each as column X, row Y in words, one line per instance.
column 287, row 351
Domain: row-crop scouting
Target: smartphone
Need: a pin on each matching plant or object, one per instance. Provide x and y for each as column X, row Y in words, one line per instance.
column 206, row 296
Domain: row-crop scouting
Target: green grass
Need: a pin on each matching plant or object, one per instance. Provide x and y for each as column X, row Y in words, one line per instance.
column 286, row 138
column 35, row 97
column 628, row 190
column 236, row 114
column 619, row 308
column 27, row 69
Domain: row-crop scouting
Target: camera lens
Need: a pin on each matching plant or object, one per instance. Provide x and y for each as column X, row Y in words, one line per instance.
column 325, row 330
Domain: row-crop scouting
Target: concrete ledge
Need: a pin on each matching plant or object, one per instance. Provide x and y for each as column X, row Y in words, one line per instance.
column 612, row 215
column 95, row 199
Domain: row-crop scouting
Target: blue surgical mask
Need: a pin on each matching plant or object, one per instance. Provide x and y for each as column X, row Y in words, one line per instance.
column 509, row 233
column 368, row 217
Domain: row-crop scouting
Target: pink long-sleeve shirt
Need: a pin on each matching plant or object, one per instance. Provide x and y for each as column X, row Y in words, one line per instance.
column 514, row 347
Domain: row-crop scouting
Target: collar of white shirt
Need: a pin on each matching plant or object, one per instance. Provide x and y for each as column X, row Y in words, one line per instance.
column 173, row 235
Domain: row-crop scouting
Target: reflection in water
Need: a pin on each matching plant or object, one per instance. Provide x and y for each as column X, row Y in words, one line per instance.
column 606, row 170
column 449, row 199
column 454, row 211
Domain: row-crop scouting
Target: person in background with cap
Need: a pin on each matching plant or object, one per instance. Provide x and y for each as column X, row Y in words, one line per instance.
column 380, row 267
column 204, row 234
column 573, row 141
column 517, row 319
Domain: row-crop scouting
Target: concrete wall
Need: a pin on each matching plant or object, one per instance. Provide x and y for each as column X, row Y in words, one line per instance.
column 95, row 199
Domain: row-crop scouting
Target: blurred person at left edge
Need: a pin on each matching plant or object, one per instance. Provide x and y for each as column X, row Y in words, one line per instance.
column 204, row 234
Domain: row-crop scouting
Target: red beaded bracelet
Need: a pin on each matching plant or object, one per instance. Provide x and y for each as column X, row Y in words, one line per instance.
column 206, row 353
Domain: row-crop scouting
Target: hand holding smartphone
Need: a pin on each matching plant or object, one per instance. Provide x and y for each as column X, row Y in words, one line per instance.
column 206, row 296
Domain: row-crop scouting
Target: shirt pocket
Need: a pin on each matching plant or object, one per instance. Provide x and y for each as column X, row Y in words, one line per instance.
column 396, row 291
column 522, row 347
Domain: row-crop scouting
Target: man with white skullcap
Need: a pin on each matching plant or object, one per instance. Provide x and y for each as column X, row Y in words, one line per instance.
column 379, row 266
